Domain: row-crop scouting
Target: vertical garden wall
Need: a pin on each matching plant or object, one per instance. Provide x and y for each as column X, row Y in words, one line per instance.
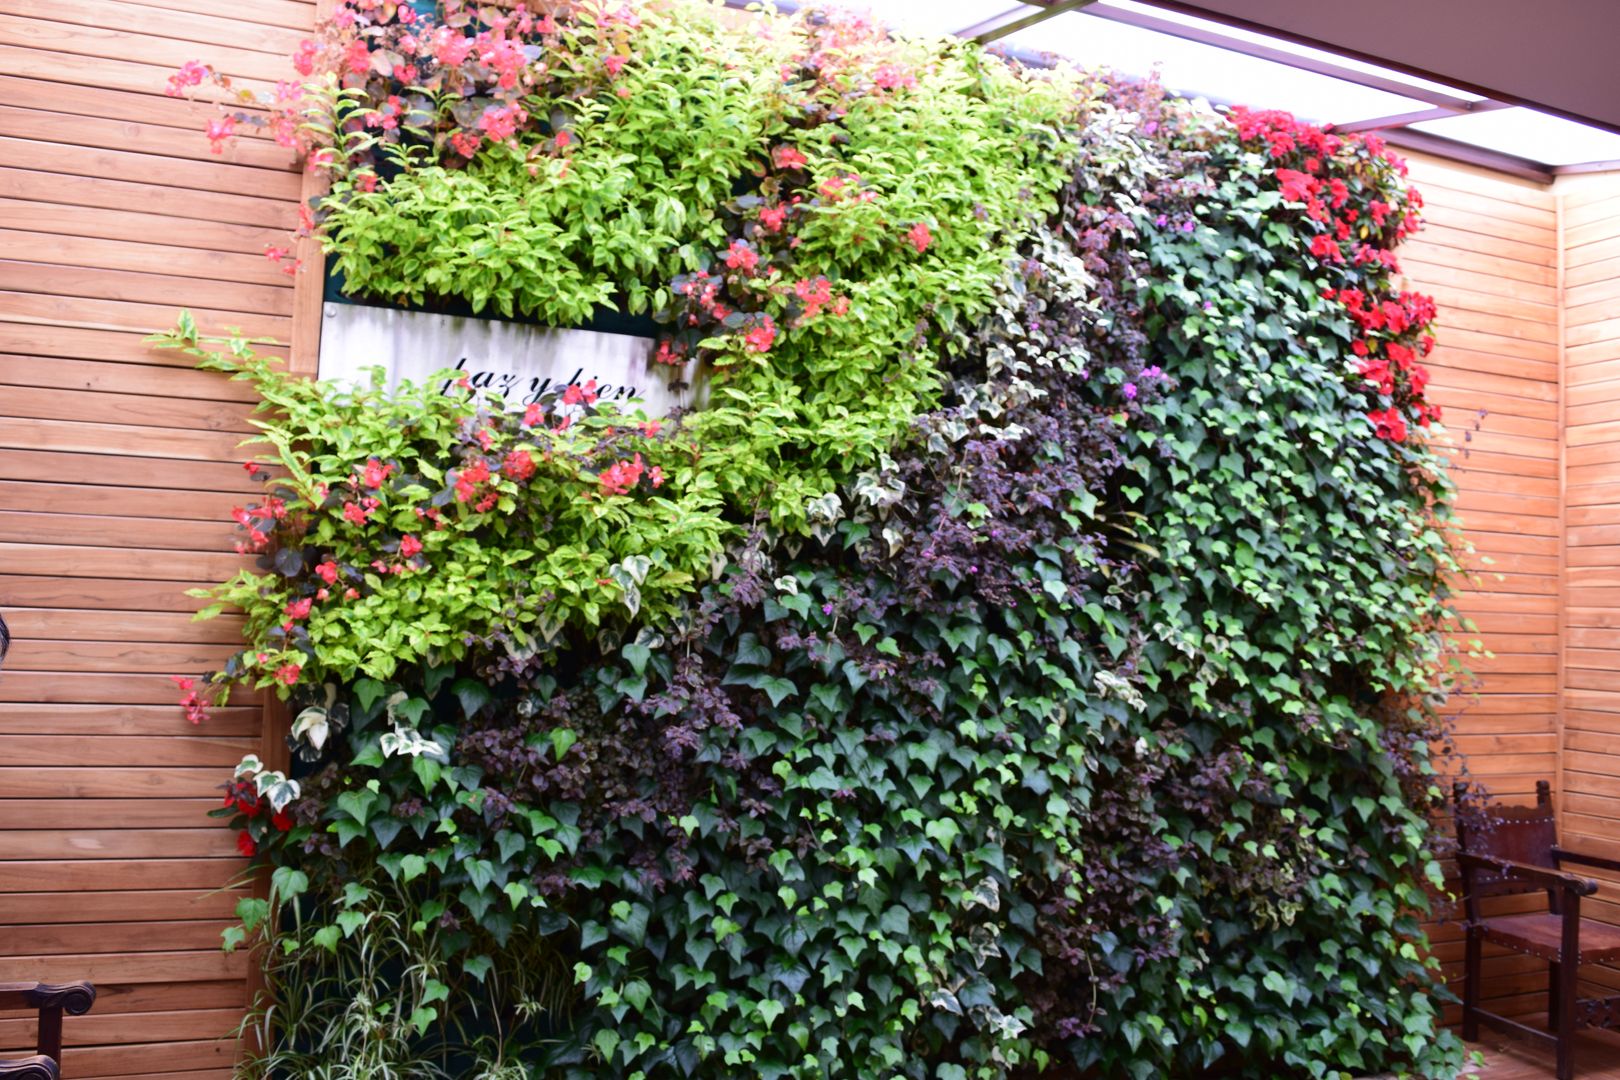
column 1029, row 656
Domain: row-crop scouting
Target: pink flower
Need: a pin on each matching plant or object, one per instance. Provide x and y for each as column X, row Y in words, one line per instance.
column 518, row 465
column 275, row 255
column 652, row 428
column 410, row 547
column 299, row 609
column 191, row 73
column 502, row 124
column 304, row 58
column 739, row 256
column 563, row 138
column 357, row 58
column 366, row 181
column 327, row 571
column 354, row 514
column 220, row 130
column 466, row 143
column 920, row 237
column 788, row 157
column 614, row 65
column 287, row 674
column 532, row 414
column 762, row 337
column 375, row 473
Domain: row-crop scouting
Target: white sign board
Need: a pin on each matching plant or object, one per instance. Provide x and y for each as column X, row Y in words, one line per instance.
column 519, row 362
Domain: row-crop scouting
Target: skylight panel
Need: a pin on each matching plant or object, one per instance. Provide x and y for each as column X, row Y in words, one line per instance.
column 1526, row 133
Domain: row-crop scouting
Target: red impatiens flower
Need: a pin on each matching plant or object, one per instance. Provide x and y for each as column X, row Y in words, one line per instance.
column 1401, row 355
column 518, row 465
column 1297, row 186
column 299, row 609
column 245, row 844
column 409, row 547
column 1388, row 424
column 1324, row 247
column 739, row 256
column 762, row 337
column 375, row 473
column 281, row 821
column 788, row 157
column 920, row 237
column 327, row 571
column 287, row 674
column 532, row 414
column 354, row 513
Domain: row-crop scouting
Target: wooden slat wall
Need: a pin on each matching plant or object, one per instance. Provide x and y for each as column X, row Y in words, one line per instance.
column 118, row 468
column 1590, row 803
column 1489, row 257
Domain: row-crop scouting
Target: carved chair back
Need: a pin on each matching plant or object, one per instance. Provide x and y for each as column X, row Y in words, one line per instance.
column 1522, row 834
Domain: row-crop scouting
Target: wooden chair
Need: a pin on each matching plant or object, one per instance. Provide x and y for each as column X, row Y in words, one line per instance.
column 52, row 1002
column 1514, row 849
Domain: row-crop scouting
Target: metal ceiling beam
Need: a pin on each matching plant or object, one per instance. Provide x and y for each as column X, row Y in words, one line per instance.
column 1469, row 154
column 1018, row 18
column 1384, row 123
column 1314, row 64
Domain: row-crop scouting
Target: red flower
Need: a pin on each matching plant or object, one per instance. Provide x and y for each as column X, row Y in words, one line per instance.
column 814, row 294
column 621, row 476
column 580, row 395
column 531, row 415
column 191, row 73
column 375, row 473
column 518, row 465
column 762, row 337
column 920, row 237
column 410, row 547
column 466, row 143
column 1401, row 355
column 614, row 65
column 366, row 181
column 245, row 844
column 788, row 157
column 772, row 217
column 287, row 674
column 1324, row 247
column 739, row 256
column 652, row 428
column 1389, row 424
column 282, row 821
column 354, row 514
column 327, row 571
column 469, row 479
column 1297, row 186
column 358, row 56
column 299, row 609
column 501, row 124
column 195, row 705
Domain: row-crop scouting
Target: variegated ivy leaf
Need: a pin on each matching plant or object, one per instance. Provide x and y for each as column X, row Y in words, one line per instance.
column 311, row 725
column 249, row 765
column 277, row 788
column 409, row 742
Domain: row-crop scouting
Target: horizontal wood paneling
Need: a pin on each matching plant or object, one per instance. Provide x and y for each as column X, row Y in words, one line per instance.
column 119, row 467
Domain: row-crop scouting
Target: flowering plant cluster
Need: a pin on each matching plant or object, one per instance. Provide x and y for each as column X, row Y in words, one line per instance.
column 1029, row 660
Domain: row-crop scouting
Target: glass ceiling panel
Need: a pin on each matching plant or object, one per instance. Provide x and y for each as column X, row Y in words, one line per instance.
column 1304, row 51
column 1526, row 133
column 1199, row 70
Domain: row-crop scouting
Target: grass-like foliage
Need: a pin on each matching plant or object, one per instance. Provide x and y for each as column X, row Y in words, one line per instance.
column 1028, row 661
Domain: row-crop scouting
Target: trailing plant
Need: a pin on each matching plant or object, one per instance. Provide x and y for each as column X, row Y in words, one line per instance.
column 1028, row 662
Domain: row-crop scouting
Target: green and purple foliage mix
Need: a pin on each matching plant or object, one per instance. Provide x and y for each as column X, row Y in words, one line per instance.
column 1028, row 660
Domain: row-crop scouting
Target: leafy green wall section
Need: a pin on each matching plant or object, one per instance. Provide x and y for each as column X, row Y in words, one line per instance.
column 1030, row 661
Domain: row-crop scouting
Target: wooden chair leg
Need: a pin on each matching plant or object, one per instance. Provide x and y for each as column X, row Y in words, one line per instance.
column 1553, row 987
column 1566, row 1019
column 1471, row 975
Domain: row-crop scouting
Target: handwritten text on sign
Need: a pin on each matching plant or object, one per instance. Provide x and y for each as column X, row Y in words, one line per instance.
column 520, row 363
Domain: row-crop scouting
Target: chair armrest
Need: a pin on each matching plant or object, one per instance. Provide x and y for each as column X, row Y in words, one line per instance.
column 30, row 1068
column 74, row 999
column 1600, row 862
column 1534, row 875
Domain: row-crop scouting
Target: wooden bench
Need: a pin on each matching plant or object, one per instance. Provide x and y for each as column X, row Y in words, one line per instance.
column 51, row 1001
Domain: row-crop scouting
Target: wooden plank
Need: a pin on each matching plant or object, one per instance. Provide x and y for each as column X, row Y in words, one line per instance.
column 179, row 144
column 75, row 844
column 100, row 531
column 135, row 226
column 193, row 28
column 171, row 749
column 20, row 939
column 100, row 721
column 102, row 594
column 149, row 626
column 108, row 72
column 101, row 314
column 163, row 504
column 22, row 433
column 77, row 467
column 97, row 1028
column 72, row 405
column 128, row 813
column 34, row 654
column 94, row 875
column 154, row 382
column 116, row 193
column 96, row 101
column 159, row 169
column 91, row 688
column 144, row 258
column 143, row 288
column 98, row 42
column 149, row 564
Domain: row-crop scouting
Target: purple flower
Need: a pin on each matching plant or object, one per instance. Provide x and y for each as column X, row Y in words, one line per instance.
column 826, row 609
column 1154, row 372
column 1209, row 305
column 1188, row 226
column 1162, row 221
column 1130, row 391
